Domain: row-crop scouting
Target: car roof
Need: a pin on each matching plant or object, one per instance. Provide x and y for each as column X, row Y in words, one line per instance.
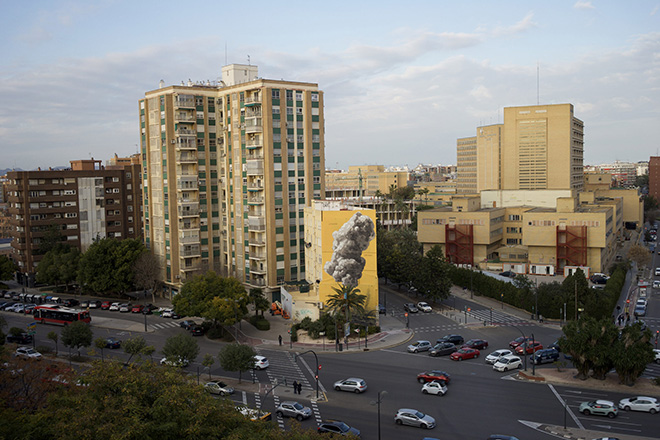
column 604, row 402
column 407, row 410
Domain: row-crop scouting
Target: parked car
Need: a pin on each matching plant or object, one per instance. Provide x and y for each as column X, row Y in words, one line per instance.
column 464, row 353
column 442, row 349
column 599, row 407
column 352, row 384
column 114, row 306
column 657, row 271
column 640, row 311
column 187, row 324
column 260, row 362
column 434, row 387
column 125, row 308
column 656, row 284
column 430, row 376
column 454, row 339
column 545, row 356
column 105, row 305
column 166, row 313
column 218, row 387
column 71, row 302
column 506, row 363
column 520, row 340
column 94, row 304
column 293, row 409
column 640, row 403
column 532, row 347
column 424, row 307
column 29, row 308
column 508, row 274
column 21, row 338
column 337, row 427
column 112, row 343
column 418, row 346
column 197, row 330
column 84, row 304
column 148, row 309
column 410, row 307
column 494, row 356
column 28, row 353
column 137, row 308
column 479, row 344
column 656, row 352
column 175, row 315
column 412, row 417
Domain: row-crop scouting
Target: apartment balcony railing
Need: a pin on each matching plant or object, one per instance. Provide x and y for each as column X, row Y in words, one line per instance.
column 188, row 237
column 257, row 200
column 255, row 167
column 187, row 184
column 186, row 158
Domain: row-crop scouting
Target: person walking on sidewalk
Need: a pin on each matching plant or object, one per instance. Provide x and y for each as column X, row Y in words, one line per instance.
column 279, row 338
column 299, row 387
column 295, row 387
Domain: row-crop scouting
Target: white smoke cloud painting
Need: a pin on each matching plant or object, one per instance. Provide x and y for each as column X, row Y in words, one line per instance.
column 347, row 263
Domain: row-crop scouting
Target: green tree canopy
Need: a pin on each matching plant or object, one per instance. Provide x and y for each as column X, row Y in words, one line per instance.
column 237, row 357
column 59, row 266
column 346, row 301
column 76, row 335
column 182, row 346
column 136, row 346
column 107, row 266
column 399, row 255
column 432, row 280
column 631, row 353
column 7, row 268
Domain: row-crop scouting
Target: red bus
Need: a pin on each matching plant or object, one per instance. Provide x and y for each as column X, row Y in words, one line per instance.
column 56, row 314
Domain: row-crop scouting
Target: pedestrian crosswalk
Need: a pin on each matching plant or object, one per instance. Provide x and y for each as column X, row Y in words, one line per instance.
column 496, row 317
column 164, row 325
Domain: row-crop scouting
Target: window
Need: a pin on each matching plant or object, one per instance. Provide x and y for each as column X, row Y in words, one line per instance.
column 276, row 109
column 71, row 215
column 289, row 110
column 315, row 97
column 289, row 95
column 275, row 93
column 299, row 96
column 299, row 110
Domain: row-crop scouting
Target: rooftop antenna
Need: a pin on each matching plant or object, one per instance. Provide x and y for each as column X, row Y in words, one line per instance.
column 538, row 99
column 248, row 60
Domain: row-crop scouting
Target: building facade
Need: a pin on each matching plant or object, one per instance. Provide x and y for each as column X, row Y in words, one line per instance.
column 654, row 177
column 83, row 203
column 368, row 180
column 228, row 170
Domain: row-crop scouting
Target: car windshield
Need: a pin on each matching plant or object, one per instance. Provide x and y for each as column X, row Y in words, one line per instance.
column 343, row 427
column 419, row 415
column 297, row 406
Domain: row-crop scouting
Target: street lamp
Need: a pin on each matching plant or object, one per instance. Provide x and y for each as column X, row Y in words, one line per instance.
column 318, row 367
column 381, row 394
column 525, row 342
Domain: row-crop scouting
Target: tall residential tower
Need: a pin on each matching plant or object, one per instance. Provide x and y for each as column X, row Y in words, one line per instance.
column 228, row 171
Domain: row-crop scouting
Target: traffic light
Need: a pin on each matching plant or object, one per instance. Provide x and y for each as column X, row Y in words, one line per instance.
column 469, row 309
column 319, row 366
column 406, row 314
column 627, row 301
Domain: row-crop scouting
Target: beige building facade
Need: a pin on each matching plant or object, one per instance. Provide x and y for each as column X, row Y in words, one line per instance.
column 228, row 171
column 367, row 180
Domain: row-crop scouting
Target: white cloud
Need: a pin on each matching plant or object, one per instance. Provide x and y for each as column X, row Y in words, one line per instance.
column 583, row 5
column 523, row 25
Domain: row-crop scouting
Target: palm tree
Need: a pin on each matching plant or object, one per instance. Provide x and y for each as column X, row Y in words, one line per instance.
column 347, row 300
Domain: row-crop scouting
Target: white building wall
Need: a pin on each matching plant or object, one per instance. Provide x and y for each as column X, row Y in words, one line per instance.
column 91, row 211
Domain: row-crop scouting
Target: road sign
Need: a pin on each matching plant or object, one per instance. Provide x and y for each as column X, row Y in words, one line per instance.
column 32, row 326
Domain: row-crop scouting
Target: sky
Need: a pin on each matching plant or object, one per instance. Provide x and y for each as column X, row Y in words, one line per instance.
column 402, row 80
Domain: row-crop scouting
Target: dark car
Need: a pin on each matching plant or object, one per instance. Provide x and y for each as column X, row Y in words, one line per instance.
column 337, row 427
column 545, row 356
column 187, row 324
column 442, row 349
column 148, row 309
column 21, row 338
column 508, row 274
column 479, row 344
column 95, row 304
column 71, row 302
column 454, row 339
column 381, row 309
column 112, row 343
column 197, row 330
column 437, row 375
column 410, row 307
column 175, row 315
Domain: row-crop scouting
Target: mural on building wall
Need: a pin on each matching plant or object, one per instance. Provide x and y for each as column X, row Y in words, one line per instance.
column 349, row 241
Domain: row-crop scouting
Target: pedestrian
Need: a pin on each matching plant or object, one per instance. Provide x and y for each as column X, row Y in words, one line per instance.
column 295, row 387
column 279, row 338
column 299, row 387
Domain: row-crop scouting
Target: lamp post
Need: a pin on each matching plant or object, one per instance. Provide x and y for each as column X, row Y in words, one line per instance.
column 525, row 347
column 533, row 363
column 318, row 367
column 323, row 335
column 381, row 394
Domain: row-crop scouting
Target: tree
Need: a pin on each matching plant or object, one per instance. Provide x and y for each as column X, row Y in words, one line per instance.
column 147, row 273
column 7, row 268
column 53, row 336
column 399, row 255
column 100, row 343
column 261, row 304
column 181, row 347
column 639, row 255
column 346, row 301
column 76, row 335
column 575, row 288
column 52, row 239
column 136, row 346
column 208, row 362
column 237, row 357
column 433, row 280
column 107, row 266
column 59, row 266
column 632, row 352
column 650, row 203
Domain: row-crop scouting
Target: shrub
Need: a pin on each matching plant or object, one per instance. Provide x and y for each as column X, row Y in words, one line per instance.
column 214, row 333
column 44, row 349
column 260, row 323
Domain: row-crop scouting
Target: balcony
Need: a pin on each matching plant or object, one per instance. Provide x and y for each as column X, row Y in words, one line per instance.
column 185, row 144
column 253, row 125
column 255, row 200
column 255, row 167
column 258, row 256
column 184, row 132
column 185, row 117
column 188, row 225
column 253, row 100
column 257, row 241
column 184, row 101
column 188, row 251
column 187, row 184
column 254, row 143
column 256, row 224
column 258, row 269
column 185, row 157
column 189, row 237
column 255, row 154
column 255, row 187
column 189, row 210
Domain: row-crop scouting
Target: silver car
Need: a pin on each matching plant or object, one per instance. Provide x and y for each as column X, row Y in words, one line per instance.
column 218, row 387
column 494, row 356
column 412, row 417
column 353, row 384
column 293, row 409
column 419, row 346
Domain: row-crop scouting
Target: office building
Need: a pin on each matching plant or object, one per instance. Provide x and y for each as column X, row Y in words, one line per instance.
column 228, row 170
column 367, row 180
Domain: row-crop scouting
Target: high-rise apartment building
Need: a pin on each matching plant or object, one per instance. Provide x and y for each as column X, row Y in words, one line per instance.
column 537, row 147
column 228, row 171
column 654, row 177
column 83, row 203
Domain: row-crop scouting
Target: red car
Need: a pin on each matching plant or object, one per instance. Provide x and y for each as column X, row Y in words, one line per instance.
column 137, row 308
column 479, row 344
column 464, row 353
column 430, row 376
column 532, row 347
column 520, row 340
column 105, row 305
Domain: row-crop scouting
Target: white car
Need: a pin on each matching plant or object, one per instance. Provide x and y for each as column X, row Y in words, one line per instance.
column 419, row 346
column 507, row 363
column 28, row 353
column 126, row 307
column 166, row 313
column 494, row 356
column 434, row 388
column 260, row 362
column 640, row 403
column 656, row 351
column 656, row 284
column 114, row 307
column 657, row 271
column 641, row 303
column 424, row 307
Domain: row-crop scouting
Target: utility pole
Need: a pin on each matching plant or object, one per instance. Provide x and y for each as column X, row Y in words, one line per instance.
column 576, row 299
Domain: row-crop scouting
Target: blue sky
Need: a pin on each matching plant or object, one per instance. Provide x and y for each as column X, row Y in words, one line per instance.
column 402, row 80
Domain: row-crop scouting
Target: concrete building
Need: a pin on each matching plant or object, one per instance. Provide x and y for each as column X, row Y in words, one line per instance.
column 84, row 202
column 229, row 169
column 367, row 180
column 654, row 177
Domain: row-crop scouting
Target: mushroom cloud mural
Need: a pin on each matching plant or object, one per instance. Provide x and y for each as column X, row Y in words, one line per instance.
column 347, row 263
